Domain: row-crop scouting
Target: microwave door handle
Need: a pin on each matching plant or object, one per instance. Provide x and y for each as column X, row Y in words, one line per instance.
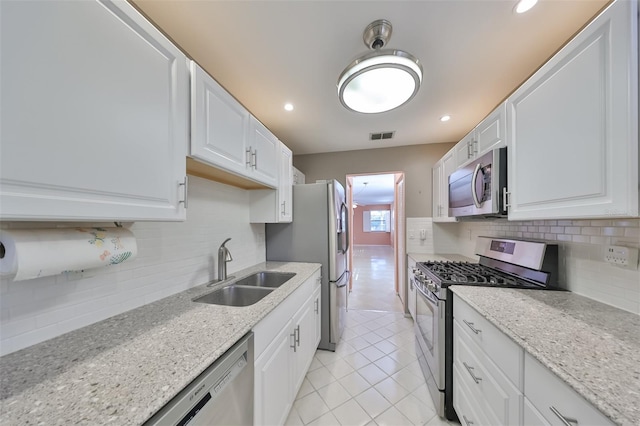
column 473, row 185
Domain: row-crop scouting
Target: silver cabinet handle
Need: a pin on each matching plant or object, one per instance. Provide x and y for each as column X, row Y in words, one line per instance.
column 566, row 421
column 293, row 346
column 470, row 325
column 255, row 159
column 185, row 183
column 467, row 421
column 297, row 333
column 316, row 303
column 284, row 209
column 468, row 149
column 473, row 376
column 248, row 156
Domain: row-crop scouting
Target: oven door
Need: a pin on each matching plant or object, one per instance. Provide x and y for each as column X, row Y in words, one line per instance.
column 430, row 339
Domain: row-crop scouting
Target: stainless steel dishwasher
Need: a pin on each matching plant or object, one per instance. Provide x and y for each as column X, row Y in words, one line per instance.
column 221, row 395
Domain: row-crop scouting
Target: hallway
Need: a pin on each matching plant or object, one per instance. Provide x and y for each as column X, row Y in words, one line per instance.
column 373, row 377
column 373, row 280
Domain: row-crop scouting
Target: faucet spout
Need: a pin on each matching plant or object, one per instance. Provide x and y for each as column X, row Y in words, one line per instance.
column 224, row 256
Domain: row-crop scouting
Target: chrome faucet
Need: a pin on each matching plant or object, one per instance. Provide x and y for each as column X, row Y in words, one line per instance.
column 224, row 256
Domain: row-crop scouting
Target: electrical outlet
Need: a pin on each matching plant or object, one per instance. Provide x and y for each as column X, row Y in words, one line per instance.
column 411, row 235
column 624, row 257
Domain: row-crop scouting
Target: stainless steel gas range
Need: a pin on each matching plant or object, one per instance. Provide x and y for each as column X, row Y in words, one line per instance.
column 503, row 263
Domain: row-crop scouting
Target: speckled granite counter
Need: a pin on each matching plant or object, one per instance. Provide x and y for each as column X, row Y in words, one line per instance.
column 122, row 370
column 593, row 347
column 443, row 257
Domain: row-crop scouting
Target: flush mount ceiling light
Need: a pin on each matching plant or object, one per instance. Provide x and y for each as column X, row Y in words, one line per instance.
column 380, row 80
column 524, row 5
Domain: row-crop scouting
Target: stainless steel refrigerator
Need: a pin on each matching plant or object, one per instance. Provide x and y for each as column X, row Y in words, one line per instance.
column 319, row 233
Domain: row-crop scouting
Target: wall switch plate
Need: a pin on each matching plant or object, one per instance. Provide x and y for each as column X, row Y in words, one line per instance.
column 624, row 257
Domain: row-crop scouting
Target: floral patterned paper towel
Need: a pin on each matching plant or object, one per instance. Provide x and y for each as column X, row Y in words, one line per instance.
column 33, row 253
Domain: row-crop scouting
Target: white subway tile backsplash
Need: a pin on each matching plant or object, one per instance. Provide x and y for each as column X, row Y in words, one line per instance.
column 581, row 248
column 171, row 257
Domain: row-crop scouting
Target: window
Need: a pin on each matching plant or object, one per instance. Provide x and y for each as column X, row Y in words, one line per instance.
column 376, row 221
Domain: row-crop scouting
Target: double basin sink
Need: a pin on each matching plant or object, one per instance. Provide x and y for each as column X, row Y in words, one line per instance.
column 248, row 290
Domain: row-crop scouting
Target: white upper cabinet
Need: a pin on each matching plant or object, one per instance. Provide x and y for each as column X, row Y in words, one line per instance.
column 464, row 149
column 94, row 112
column 275, row 205
column 219, row 124
column 488, row 135
column 573, row 126
column 263, row 151
column 224, row 135
column 441, row 172
column 491, row 132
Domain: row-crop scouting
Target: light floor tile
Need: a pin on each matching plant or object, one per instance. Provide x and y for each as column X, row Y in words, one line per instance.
column 327, row 357
column 354, row 383
column 408, row 379
column 305, row 388
column 334, row 395
column 293, row 419
column 357, row 360
column 392, row 417
column 325, row 420
column 340, row 368
column 372, row 374
column 345, row 387
column 310, row 407
column 372, row 402
column 388, row 365
column 320, row 377
column 415, row 411
column 372, row 353
column 352, row 414
column 391, row 390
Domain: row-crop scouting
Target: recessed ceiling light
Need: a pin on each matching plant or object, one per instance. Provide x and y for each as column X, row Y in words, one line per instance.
column 288, row 107
column 445, row 118
column 524, row 5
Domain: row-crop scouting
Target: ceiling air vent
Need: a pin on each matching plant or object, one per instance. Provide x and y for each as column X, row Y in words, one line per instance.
column 380, row 136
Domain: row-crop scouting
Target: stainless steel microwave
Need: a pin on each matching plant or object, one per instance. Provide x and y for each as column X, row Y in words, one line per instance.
column 478, row 188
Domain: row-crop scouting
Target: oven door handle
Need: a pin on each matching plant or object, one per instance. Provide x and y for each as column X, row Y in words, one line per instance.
column 476, row 201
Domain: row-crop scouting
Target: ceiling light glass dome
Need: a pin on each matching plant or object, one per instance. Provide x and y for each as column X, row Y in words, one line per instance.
column 381, row 80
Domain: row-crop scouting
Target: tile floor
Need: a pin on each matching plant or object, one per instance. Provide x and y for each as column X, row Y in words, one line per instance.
column 373, row 377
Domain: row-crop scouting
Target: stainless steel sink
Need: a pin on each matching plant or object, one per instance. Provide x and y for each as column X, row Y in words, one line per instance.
column 265, row 279
column 234, row 295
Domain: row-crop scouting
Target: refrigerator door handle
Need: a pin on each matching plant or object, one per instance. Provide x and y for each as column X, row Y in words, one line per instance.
column 343, row 278
column 346, row 228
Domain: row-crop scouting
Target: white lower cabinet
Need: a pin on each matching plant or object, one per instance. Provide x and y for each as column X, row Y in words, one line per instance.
column 495, row 382
column 553, row 402
column 285, row 342
column 484, row 361
column 94, row 114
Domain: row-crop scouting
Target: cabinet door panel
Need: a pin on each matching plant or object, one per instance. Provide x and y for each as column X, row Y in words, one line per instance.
column 265, row 148
column 219, row 124
column 574, row 137
column 94, row 114
column 491, row 132
column 273, row 381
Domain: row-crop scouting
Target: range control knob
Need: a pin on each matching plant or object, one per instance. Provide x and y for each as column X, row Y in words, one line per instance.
column 431, row 286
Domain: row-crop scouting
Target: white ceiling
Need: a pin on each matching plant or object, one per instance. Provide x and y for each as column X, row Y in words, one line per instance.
column 373, row 189
column 266, row 53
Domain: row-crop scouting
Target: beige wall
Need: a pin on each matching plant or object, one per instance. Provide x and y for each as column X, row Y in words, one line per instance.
column 415, row 161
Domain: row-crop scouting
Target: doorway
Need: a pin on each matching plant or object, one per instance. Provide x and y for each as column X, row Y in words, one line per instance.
column 377, row 259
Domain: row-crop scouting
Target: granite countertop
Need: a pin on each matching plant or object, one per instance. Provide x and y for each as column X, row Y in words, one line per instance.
column 440, row 257
column 125, row 368
column 593, row 347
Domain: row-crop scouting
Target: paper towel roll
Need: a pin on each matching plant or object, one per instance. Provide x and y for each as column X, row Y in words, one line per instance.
column 33, row 253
